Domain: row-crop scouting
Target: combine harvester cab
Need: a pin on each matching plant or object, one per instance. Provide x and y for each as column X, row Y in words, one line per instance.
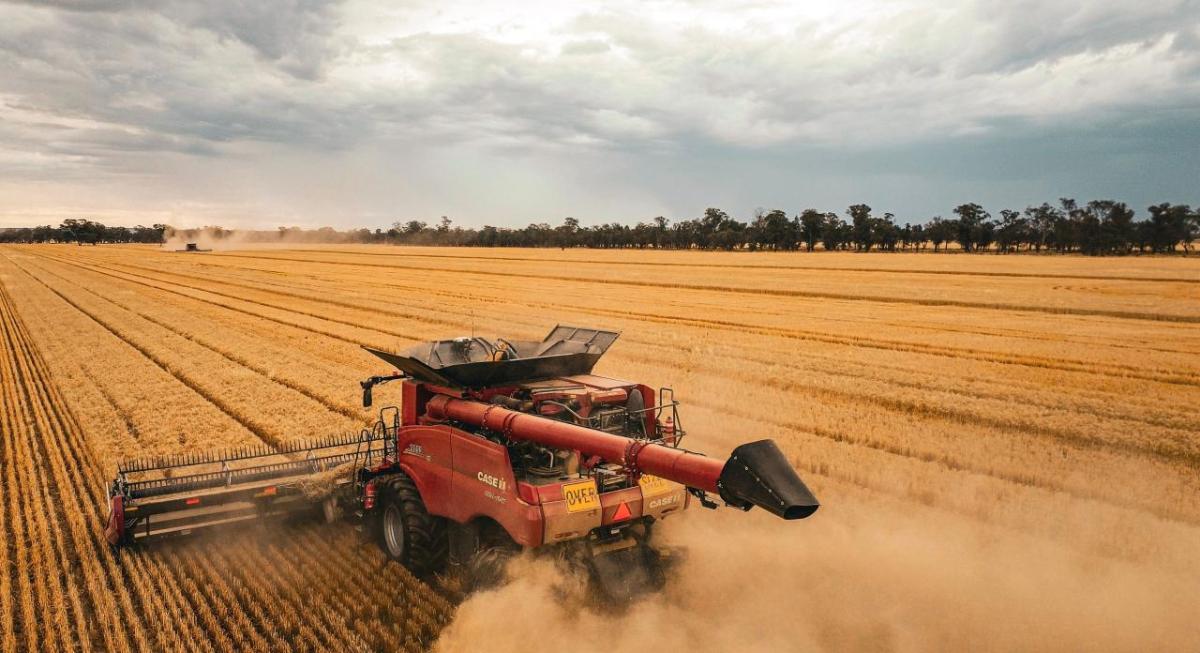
column 497, row 446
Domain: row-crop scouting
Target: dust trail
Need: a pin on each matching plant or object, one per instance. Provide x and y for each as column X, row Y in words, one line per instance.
column 861, row 575
column 223, row 240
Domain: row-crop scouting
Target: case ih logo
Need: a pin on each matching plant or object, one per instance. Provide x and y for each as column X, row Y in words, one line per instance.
column 664, row 501
column 488, row 479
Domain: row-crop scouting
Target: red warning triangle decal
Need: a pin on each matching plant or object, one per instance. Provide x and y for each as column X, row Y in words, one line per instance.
column 622, row 512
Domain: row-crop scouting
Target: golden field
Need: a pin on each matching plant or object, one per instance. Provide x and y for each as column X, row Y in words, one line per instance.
column 1007, row 448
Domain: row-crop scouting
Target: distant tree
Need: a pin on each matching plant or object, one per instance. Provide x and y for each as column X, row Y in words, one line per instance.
column 940, row 231
column 835, row 233
column 1191, row 228
column 776, row 231
column 1116, row 229
column 970, row 225
column 811, row 223
column 1041, row 224
column 885, row 233
column 660, row 231
column 860, row 218
column 1011, row 232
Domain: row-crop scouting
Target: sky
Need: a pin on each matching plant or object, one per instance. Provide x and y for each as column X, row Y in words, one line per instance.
column 356, row 113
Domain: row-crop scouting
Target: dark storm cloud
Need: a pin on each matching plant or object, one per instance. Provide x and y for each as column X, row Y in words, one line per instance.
column 293, row 34
column 711, row 92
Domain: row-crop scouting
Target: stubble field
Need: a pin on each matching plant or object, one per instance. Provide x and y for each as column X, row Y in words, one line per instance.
column 1007, row 449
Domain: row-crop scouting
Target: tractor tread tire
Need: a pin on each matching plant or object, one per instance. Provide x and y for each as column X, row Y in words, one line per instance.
column 426, row 545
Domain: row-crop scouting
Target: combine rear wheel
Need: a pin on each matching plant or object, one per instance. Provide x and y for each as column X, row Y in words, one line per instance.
column 409, row 534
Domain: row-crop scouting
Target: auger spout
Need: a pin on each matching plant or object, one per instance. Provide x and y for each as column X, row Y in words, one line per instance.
column 757, row 474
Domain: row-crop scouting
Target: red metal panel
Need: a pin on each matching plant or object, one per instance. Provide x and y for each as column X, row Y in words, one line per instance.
column 483, row 485
column 408, row 403
column 426, row 456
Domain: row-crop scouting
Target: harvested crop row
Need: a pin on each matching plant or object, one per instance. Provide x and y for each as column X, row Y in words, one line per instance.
column 920, row 443
column 288, row 366
column 1120, row 382
column 1164, row 308
column 1133, row 405
column 255, row 589
column 276, row 414
column 1103, row 433
column 1130, row 364
column 644, row 258
column 762, row 306
column 53, row 472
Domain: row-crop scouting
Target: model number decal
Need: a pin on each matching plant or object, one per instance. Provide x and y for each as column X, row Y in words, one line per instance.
column 494, row 481
column 414, row 449
column 581, row 496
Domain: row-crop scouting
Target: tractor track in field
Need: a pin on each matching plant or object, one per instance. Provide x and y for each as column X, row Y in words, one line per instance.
column 770, row 292
column 95, row 586
column 323, row 316
column 230, row 272
column 259, row 432
column 1102, row 369
column 901, row 406
column 1147, row 419
column 198, row 597
column 164, row 581
column 1164, row 376
column 1158, row 450
column 948, row 415
column 720, row 266
column 115, row 571
column 262, row 628
column 330, row 404
column 42, row 532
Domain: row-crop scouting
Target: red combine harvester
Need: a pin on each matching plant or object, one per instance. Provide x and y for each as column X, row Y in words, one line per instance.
column 497, row 445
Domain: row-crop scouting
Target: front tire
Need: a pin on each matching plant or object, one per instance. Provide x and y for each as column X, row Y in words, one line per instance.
column 408, row 534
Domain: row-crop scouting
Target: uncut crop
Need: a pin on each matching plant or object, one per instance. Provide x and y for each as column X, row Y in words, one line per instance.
column 1051, row 399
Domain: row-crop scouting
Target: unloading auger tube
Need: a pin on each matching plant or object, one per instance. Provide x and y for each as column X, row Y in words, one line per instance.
column 756, row 474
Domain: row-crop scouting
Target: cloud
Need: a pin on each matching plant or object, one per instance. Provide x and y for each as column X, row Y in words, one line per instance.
column 115, row 88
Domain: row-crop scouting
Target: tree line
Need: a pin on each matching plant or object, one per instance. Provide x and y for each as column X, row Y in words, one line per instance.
column 1099, row 227
column 83, row 232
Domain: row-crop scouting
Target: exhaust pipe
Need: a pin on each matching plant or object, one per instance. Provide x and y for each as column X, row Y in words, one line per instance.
column 757, row 474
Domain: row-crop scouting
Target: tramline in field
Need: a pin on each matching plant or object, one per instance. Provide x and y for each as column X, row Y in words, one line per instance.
column 498, row 445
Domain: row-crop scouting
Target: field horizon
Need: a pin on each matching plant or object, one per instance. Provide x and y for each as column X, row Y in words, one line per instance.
column 1006, row 448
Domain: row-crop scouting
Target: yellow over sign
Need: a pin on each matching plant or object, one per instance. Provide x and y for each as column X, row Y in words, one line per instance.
column 581, row 496
column 652, row 485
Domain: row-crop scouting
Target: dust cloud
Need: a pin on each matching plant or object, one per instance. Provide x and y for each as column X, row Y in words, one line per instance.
column 863, row 574
column 222, row 240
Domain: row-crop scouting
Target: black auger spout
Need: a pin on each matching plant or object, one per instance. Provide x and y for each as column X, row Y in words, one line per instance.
column 757, row 474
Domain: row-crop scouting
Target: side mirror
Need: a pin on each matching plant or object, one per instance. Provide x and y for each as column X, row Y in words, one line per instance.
column 366, row 395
